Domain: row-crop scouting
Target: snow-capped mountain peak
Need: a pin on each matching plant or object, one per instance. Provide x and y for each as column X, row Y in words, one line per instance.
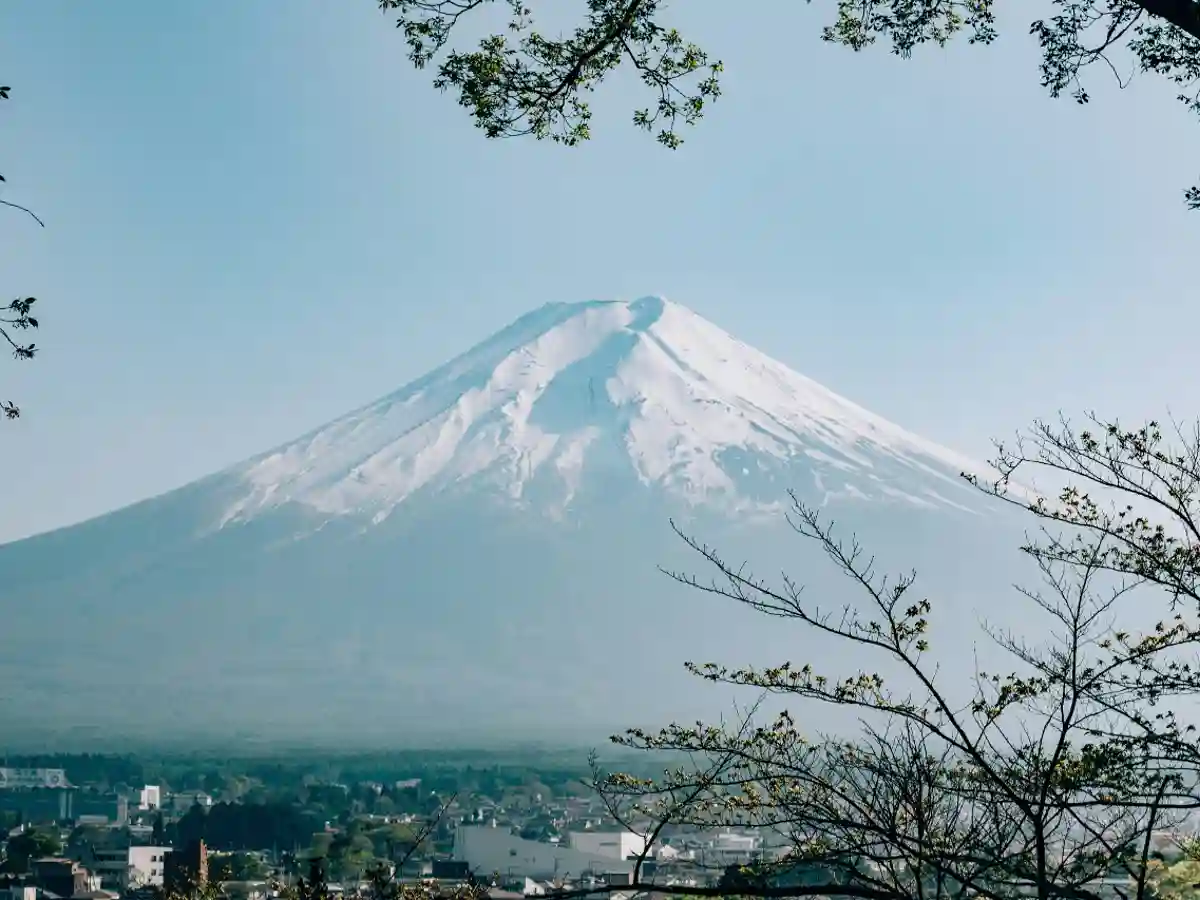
column 573, row 392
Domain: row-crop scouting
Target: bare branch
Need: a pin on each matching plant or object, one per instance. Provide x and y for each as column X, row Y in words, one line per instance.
column 1049, row 778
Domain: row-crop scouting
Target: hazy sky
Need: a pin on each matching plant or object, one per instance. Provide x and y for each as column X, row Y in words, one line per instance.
column 259, row 217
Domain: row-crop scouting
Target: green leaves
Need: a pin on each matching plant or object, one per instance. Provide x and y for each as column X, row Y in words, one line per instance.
column 521, row 82
column 910, row 23
column 17, row 316
column 1135, row 467
column 1129, row 514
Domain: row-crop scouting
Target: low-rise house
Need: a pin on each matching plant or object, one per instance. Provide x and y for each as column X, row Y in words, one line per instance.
column 498, row 851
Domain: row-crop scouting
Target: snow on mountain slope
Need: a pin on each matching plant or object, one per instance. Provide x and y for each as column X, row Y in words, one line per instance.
column 646, row 389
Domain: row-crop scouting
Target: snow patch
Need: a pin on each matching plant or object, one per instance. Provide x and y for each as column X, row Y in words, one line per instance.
column 647, row 385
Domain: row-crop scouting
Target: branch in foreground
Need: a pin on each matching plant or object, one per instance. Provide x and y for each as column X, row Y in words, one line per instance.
column 1047, row 779
column 766, row 893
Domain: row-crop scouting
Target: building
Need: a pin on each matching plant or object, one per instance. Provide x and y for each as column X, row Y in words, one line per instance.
column 40, row 805
column 450, row 870
column 32, row 778
column 609, row 844
column 150, row 797
column 37, row 806
column 731, row 848
column 147, row 866
column 96, row 807
column 63, row 877
column 497, row 851
column 128, row 868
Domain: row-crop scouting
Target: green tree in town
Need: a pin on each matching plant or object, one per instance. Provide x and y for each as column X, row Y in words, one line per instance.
column 524, row 81
column 350, row 855
column 28, row 846
column 236, row 867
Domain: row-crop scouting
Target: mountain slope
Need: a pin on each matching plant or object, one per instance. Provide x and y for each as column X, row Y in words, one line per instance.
column 646, row 389
column 477, row 553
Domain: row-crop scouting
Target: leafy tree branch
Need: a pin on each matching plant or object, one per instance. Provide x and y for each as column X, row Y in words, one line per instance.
column 520, row 81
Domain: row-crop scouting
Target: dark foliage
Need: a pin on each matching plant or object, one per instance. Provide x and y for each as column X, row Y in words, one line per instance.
column 254, row 826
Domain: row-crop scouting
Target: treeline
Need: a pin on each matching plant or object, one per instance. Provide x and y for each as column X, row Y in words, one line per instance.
column 332, row 790
column 284, row 778
column 254, row 826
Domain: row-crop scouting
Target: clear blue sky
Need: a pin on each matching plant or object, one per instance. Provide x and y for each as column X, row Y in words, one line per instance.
column 259, row 216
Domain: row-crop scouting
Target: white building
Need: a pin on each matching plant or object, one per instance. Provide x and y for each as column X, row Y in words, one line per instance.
column 731, row 848
column 609, row 844
column 147, row 864
column 150, row 797
column 33, row 778
column 491, row 851
column 128, row 867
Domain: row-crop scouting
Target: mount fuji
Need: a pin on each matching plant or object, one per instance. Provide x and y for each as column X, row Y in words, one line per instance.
column 475, row 554
column 574, row 395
